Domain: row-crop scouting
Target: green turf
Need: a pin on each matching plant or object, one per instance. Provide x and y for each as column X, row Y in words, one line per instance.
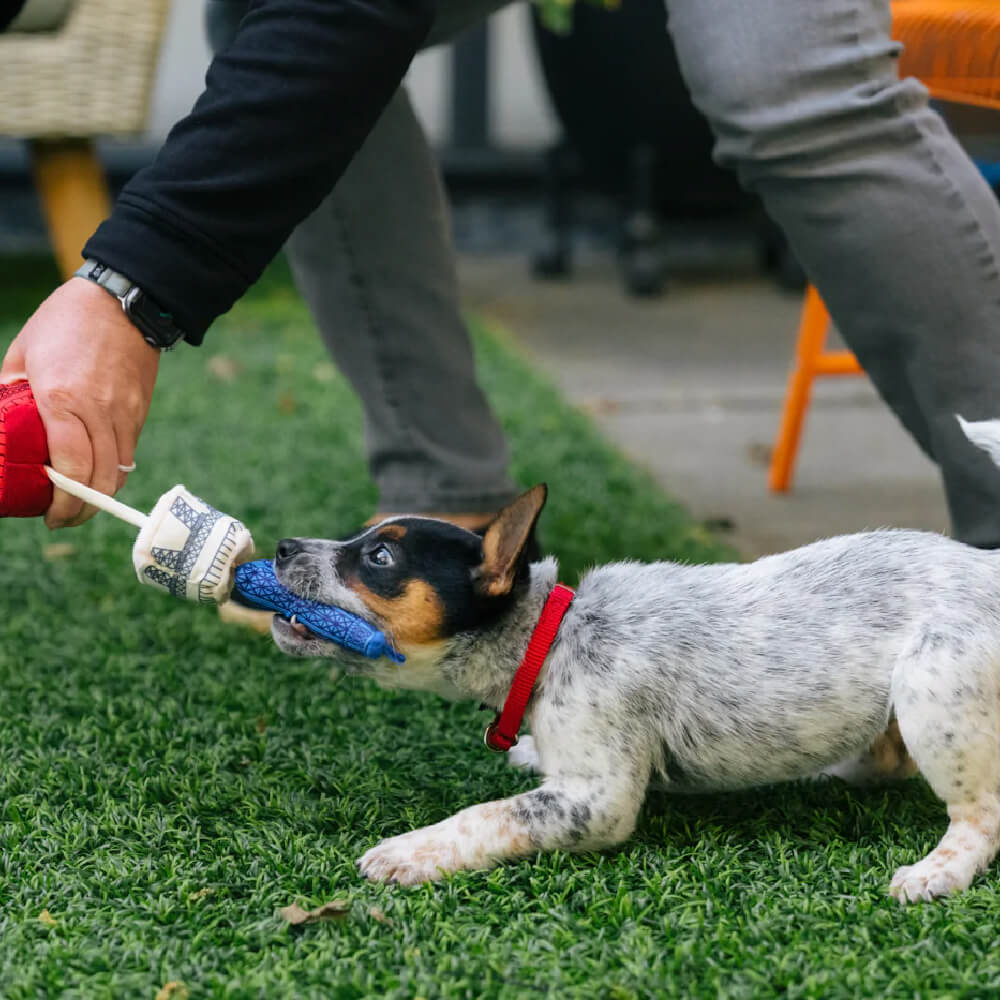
column 166, row 784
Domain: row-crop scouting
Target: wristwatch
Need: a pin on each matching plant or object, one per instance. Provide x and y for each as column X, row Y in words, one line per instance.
column 156, row 326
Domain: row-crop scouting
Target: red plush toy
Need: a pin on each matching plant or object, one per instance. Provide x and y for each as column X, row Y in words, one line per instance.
column 25, row 490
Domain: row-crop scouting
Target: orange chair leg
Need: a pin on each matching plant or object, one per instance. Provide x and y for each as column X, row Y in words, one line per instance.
column 808, row 351
column 74, row 195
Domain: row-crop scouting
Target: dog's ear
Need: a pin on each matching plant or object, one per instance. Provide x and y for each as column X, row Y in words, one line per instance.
column 505, row 540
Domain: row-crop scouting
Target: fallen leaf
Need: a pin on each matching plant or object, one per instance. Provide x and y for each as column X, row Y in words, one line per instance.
column 324, row 372
column 600, row 406
column 57, row 550
column 174, row 990
column 261, row 724
column 200, row 894
column 46, row 918
column 224, row 367
column 287, row 403
column 338, row 909
column 377, row 914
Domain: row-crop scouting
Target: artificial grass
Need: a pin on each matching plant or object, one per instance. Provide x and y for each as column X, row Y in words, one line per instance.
column 167, row 783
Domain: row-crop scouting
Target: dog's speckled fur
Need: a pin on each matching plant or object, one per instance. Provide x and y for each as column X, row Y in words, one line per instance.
column 864, row 656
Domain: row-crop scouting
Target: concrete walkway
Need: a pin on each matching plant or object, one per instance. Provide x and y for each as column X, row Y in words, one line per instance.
column 690, row 385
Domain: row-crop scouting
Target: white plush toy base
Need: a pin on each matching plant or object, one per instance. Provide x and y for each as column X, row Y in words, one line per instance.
column 185, row 547
column 189, row 549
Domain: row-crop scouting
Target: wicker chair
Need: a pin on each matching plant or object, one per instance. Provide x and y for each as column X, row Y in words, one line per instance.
column 953, row 47
column 90, row 74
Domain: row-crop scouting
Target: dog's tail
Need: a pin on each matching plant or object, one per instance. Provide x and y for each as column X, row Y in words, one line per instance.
column 984, row 434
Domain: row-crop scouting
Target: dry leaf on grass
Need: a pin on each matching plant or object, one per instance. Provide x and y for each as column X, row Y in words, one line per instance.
column 338, row 909
column 377, row 914
column 287, row 403
column 57, row 550
column 261, row 723
column 200, row 894
column 324, row 372
column 599, row 406
column 224, row 367
column 46, row 918
column 174, row 990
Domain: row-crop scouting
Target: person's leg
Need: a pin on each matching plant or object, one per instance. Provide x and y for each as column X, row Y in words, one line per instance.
column 375, row 265
column 888, row 216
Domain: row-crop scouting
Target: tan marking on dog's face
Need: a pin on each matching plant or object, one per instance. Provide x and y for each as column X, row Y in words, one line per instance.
column 414, row 618
column 394, row 531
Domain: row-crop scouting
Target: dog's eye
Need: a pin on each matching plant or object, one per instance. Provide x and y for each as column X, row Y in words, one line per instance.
column 380, row 556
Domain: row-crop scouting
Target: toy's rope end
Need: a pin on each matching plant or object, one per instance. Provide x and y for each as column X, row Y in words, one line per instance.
column 100, row 500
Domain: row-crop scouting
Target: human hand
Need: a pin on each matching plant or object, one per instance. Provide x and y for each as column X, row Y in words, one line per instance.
column 92, row 376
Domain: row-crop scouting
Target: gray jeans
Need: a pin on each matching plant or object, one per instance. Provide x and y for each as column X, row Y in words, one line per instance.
column 886, row 213
column 376, row 266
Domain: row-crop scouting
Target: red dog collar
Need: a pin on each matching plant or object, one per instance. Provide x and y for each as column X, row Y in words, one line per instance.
column 501, row 733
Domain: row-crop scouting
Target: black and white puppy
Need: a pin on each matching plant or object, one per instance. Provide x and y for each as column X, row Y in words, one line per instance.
column 864, row 656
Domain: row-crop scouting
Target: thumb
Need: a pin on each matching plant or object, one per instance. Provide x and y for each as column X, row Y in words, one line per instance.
column 12, row 368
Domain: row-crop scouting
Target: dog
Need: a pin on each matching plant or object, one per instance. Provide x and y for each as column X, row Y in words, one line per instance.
column 866, row 656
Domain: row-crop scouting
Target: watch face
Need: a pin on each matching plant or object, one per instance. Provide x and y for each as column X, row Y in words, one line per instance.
column 157, row 327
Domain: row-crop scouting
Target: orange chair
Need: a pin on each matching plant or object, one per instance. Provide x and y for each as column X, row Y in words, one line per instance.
column 953, row 47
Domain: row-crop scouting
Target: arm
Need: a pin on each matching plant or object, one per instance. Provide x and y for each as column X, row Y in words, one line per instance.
column 286, row 106
column 284, row 109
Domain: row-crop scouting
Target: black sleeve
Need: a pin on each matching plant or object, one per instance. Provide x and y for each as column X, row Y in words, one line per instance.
column 285, row 108
column 8, row 11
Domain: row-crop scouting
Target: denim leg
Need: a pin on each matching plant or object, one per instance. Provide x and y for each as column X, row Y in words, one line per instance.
column 376, row 267
column 887, row 214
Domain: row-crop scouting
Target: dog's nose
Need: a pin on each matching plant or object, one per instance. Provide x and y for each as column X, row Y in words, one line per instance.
column 288, row 548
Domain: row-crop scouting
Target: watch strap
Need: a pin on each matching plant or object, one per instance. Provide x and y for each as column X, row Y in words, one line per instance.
column 156, row 326
column 114, row 282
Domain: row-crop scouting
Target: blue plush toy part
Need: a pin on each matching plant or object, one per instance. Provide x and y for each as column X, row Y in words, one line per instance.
column 257, row 585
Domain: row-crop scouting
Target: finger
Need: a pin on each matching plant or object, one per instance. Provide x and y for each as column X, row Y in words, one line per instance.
column 126, row 455
column 69, row 453
column 104, row 476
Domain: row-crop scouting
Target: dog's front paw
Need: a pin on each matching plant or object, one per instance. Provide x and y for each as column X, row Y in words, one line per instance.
column 410, row 859
column 924, row 881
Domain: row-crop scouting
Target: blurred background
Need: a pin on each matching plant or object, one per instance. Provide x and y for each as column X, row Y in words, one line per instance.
column 592, row 225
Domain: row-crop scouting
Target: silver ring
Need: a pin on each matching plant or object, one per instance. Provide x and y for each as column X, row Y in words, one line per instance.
column 127, row 468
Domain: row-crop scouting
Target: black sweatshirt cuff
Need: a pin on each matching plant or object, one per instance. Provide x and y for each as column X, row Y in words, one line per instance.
column 192, row 282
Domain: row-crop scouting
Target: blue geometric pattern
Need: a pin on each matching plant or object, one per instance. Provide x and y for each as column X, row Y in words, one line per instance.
column 257, row 585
